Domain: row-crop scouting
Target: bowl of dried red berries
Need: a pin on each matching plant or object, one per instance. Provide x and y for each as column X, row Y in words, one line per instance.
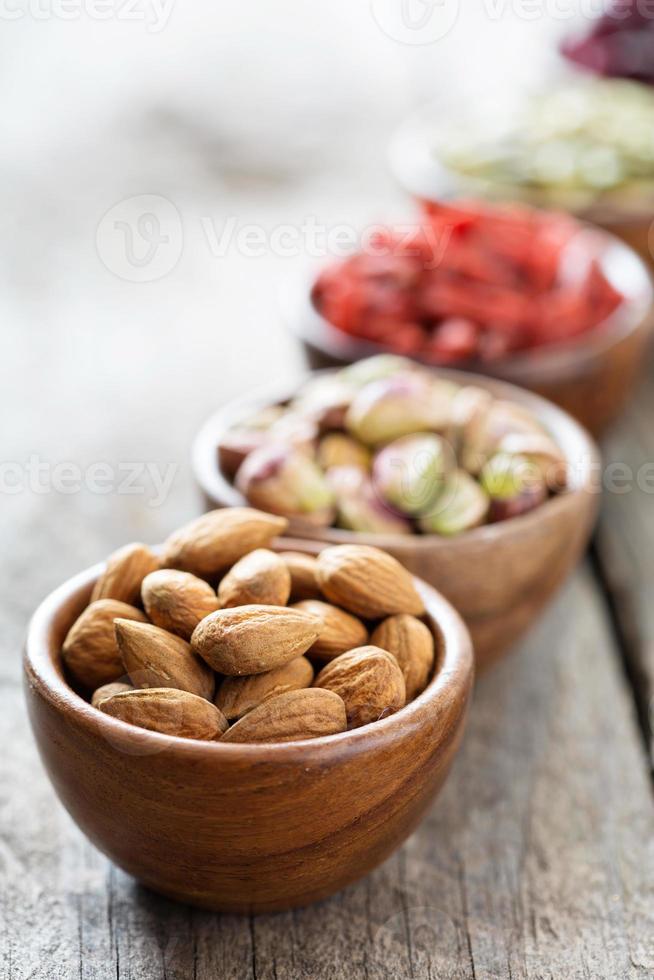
column 528, row 296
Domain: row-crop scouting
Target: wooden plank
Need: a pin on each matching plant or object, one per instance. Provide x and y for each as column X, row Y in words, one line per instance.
column 536, row 862
column 625, row 545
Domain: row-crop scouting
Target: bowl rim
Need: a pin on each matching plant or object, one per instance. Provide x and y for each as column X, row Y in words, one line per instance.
column 577, row 444
column 548, row 362
column 42, row 669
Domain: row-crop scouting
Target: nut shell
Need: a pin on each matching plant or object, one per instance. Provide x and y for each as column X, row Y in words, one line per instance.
column 367, row 582
column 167, row 711
column 368, row 680
column 124, row 572
column 90, row 651
column 261, row 577
column 238, row 695
column 412, row 645
column 156, row 658
column 177, row 601
column 253, row 639
column 292, row 716
column 341, row 631
column 213, row 542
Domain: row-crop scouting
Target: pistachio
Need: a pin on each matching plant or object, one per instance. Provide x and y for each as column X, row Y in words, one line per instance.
column 373, row 368
column 541, row 450
column 245, row 437
column 325, row 399
column 284, row 480
column 514, row 484
column 484, row 434
column 409, row 472
column 236, row 445
column 393, row 407
column 295, row 430
column 338, row 449
column 468, row 411
column 359, row 507
column 461, row 505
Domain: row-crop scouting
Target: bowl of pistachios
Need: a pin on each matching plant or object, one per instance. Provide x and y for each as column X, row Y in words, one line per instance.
column 486, row 491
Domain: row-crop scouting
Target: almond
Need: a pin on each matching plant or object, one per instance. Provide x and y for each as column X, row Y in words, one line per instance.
column 291, row 716
column 107, row 690
column 253, row 639
column 368, row 680
column 90, row 651
column 260, row 577
column 340, row 630
column 303, row 569
column 412, row 645
column 155, row 658
column 177, row 601
column 216, row 540
column 167, row 711
column 124, row 571
column 367, row 581
column 238, row 695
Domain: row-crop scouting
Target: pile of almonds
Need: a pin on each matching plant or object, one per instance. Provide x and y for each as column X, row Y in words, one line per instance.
column 220, row 637
column 387, row 446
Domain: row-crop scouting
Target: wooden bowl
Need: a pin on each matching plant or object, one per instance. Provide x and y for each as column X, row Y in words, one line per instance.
column 500, row 576
column 244, row 828
column 591, row 376
column 417, row 168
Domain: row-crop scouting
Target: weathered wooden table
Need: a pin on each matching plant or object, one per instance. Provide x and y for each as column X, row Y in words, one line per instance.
column 537, row 861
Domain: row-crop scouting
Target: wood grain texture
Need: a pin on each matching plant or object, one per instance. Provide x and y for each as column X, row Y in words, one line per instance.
column 244, row 828
column 625, row 546
column 537, row 856
column 537, row 862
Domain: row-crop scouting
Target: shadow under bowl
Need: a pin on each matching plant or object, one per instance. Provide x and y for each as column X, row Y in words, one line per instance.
column 244, row 828
column 500, row 576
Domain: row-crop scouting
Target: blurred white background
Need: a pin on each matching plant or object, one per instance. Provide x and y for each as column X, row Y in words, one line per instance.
column 244, row 113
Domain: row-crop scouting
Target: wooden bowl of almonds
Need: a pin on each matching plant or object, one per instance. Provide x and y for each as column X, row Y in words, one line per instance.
column 484, row 490
column 242, row 725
